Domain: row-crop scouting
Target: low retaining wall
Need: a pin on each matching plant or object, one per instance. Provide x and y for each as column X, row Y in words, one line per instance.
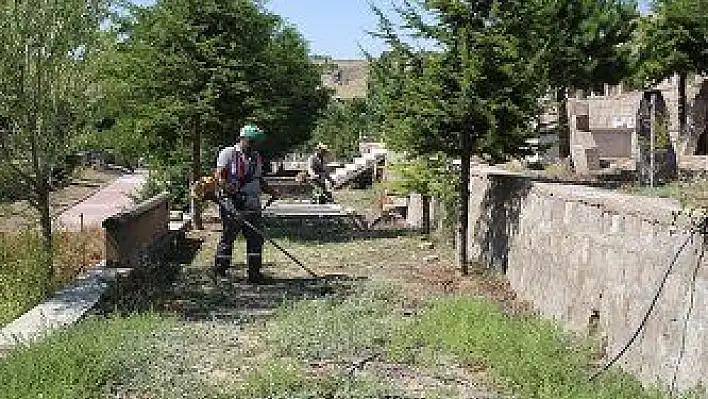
column 137, row 234
column 133, row 237
column 593, row 259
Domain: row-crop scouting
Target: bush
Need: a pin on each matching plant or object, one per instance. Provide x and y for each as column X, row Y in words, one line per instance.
column 174, row 180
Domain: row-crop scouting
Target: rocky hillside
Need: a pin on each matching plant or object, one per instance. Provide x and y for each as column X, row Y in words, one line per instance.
column 347, row 77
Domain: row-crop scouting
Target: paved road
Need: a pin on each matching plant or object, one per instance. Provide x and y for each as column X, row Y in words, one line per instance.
column 105, row 203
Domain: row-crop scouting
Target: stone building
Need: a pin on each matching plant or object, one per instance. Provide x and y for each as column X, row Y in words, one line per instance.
column 607, row 129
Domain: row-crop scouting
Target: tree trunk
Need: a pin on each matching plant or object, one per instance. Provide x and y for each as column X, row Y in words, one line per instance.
column 45, row 222
column 196, row 173
column 463, row 223
column 426, row 214
column 563, row 125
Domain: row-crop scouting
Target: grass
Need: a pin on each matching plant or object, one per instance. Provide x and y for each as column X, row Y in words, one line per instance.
column 76, row 363
column 24, row 281
column 337, row 327
column 362, row 200
column 693, row 194
column 531, row 357
column 286, row 379
column 524, row 355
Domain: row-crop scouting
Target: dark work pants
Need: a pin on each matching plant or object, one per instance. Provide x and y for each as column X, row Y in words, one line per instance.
column 231, row 228
column 319, row 187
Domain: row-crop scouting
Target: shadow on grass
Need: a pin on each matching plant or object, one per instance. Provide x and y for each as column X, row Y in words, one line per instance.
column 179, row 289
column 145, row 287
column 233, row 299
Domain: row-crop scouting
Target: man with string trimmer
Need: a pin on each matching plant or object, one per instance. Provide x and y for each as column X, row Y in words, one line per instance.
column 240, row 182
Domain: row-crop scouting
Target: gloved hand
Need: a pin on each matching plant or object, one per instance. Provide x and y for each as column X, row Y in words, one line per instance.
column 230, row 211
column 223, row 190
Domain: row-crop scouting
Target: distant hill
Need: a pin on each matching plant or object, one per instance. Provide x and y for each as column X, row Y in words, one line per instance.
column 347, row 77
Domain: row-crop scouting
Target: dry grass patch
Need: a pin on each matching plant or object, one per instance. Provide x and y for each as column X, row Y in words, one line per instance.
column 24, row 278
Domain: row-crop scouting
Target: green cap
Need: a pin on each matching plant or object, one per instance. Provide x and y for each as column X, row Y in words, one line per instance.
column 252, row 132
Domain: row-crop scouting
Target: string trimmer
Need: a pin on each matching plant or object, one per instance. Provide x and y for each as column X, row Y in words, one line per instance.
column 234, row 214
column 206, row 188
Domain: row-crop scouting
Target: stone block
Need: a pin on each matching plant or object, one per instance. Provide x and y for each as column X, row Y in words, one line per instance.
column 578, row 107
column 585, row 139
column 130, row 235
column 585, row 159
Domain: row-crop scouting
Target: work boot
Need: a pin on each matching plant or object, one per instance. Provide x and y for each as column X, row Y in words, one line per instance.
column 217, row 273
column 254, row 263
column 219, row 270
column 256, row 277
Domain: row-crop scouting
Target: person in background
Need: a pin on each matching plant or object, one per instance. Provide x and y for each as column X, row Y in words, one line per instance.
column 318, row 173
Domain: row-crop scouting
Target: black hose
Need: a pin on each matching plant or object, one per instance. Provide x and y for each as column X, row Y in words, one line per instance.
column 652, row 305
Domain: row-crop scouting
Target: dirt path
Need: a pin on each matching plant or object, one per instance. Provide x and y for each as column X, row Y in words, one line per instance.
column 232, row 339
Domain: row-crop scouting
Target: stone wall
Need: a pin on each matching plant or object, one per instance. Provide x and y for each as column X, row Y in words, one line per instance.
column 616, row 143
column 577, row 252
column 137, row 234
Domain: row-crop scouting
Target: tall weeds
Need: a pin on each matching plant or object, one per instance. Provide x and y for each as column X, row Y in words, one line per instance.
column 25, row 281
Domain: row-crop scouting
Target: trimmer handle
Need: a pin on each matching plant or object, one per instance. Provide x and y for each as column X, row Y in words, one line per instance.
column 269, row 202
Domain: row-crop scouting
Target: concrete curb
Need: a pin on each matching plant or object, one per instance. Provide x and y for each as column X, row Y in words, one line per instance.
column 65, row 308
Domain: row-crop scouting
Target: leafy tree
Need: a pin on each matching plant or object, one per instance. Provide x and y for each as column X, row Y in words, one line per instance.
column 46, row 85
column 475, row 96
column 429, row 176
column 583, row 44
column 674, row 40
column 341, row 127
column 190, row 73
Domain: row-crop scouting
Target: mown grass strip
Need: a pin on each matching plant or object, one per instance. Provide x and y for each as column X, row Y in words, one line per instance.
column 75, row 363
column 337, row 327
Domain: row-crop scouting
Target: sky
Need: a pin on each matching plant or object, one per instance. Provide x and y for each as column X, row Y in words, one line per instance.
column 337, row 28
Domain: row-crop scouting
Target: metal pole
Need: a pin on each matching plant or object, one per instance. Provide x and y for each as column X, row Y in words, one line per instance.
column 652, row 139
column 83, row 244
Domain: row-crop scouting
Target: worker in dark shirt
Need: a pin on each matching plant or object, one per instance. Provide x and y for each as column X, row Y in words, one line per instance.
column 319, row 175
